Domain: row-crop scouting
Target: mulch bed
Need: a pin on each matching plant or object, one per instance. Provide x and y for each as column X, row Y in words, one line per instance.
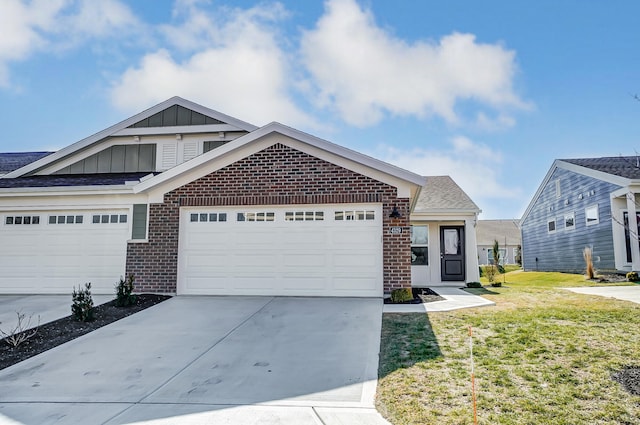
column 58, row 332
column 629, row 378
column 420, row 296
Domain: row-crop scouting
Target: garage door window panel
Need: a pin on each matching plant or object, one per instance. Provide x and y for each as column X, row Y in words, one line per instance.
column 358, row 215
column 9, row 220
column 304, row 216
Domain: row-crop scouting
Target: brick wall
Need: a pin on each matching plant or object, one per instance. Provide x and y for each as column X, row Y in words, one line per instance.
column 278, row 175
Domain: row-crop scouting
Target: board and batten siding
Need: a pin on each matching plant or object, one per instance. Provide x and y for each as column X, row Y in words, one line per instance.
column 562, row 250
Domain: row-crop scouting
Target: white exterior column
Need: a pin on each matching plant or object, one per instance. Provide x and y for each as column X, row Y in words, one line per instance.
column 473, row 275
column 633, row 232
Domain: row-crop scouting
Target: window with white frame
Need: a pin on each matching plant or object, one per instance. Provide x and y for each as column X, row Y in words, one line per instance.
column 419, row 245
column 354, row 215
column 208, row 217
column 22, row 219
column 304, row 216
column 569, row 221
column 551, row 225
column 591, row 215
column 108, row 218
column 66, row 219
column 256, row 216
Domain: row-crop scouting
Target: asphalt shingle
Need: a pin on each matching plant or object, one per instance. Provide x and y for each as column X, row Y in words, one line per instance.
column 622, row 166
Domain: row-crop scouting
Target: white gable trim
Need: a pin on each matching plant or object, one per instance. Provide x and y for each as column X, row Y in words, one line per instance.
column 620, row 181
column 84, row 143
column 269, row 135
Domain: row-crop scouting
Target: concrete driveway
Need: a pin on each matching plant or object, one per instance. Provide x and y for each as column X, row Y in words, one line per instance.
column 196, row 360
column 625, row 293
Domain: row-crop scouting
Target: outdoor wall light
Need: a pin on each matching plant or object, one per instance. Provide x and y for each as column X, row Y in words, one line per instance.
column 395, row 213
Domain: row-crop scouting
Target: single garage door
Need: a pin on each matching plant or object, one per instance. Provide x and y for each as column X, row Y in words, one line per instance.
column 333, row 250
column 55, row 251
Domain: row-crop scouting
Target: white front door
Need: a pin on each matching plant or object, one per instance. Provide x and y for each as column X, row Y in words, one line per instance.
column 321, row 250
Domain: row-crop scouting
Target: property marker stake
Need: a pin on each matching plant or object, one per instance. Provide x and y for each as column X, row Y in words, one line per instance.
column 473, row 379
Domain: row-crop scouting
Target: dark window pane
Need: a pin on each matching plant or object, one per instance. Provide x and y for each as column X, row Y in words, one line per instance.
column 96, row 219
column 213, row 217
column 35, row 219
column 26, row 220
column 240, row 216
column 52, row 219
column 222, row 217
column 419, row 256
column 114, row 218
column 79, row 219
column 18, row 220
column 203, row 217
column 193, row 218
column 70, row 219
column 104, row 219
column 9, row 220
column 123, row 218
column 61, row 219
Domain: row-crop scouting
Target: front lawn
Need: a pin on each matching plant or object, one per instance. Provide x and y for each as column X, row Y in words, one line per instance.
column 542, row 355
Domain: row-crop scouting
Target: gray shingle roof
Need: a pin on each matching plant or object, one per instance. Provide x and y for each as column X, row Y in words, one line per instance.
column 61, row 180
column 622, row 166
column 489, row 230
column 442, row 193
column 13, row 160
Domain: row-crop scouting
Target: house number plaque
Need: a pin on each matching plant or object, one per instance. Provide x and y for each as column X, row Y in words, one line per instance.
column 395, row 230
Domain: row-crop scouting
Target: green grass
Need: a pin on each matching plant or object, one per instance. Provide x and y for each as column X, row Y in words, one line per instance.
column 542, row 355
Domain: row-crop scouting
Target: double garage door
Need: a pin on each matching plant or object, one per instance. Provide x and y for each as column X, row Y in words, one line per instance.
column 54, row 251
column 328, row 250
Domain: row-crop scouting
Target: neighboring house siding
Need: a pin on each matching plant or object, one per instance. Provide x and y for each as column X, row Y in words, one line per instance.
column 278, row 175
column 562, row 250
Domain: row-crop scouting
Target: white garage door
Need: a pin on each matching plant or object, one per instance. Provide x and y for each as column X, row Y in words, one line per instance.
column 55, row 251
column 321, row 251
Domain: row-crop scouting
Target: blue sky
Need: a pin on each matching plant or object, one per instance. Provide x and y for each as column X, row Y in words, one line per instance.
column 487, row 92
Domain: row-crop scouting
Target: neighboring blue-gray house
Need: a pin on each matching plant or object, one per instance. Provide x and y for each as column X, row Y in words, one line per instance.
column 584, row 203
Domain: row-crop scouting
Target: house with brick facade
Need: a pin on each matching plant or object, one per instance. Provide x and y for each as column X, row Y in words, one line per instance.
column 192, row 201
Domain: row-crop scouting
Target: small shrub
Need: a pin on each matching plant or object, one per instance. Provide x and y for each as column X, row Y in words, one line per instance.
column 82, row 307
column 496, row 284
column 490, row 272
column 124, row 289
column 21, row 332
column 401, row 295
column 633, row 277
column 481, row 271
column 474, row 285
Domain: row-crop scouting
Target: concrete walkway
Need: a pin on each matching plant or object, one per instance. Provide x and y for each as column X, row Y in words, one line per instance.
column 455, row 299
column 625, row 293
column 201, row 360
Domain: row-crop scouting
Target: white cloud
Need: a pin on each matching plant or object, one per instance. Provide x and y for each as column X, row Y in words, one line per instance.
column 475, row 167
column 239, row 67
column 38, row 25
column 364, row 71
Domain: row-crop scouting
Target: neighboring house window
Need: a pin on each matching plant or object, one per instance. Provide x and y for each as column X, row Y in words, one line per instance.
column 570, row 221
column 208, row 217
column 631, row 233
column 304, row 216
column 591, row 215
column 256, row 216
column 139, row 222
column 29, row 219
column 68, row 219
column 419, row 245
column 551, row 225
column 503, row 255
column 354, row 215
